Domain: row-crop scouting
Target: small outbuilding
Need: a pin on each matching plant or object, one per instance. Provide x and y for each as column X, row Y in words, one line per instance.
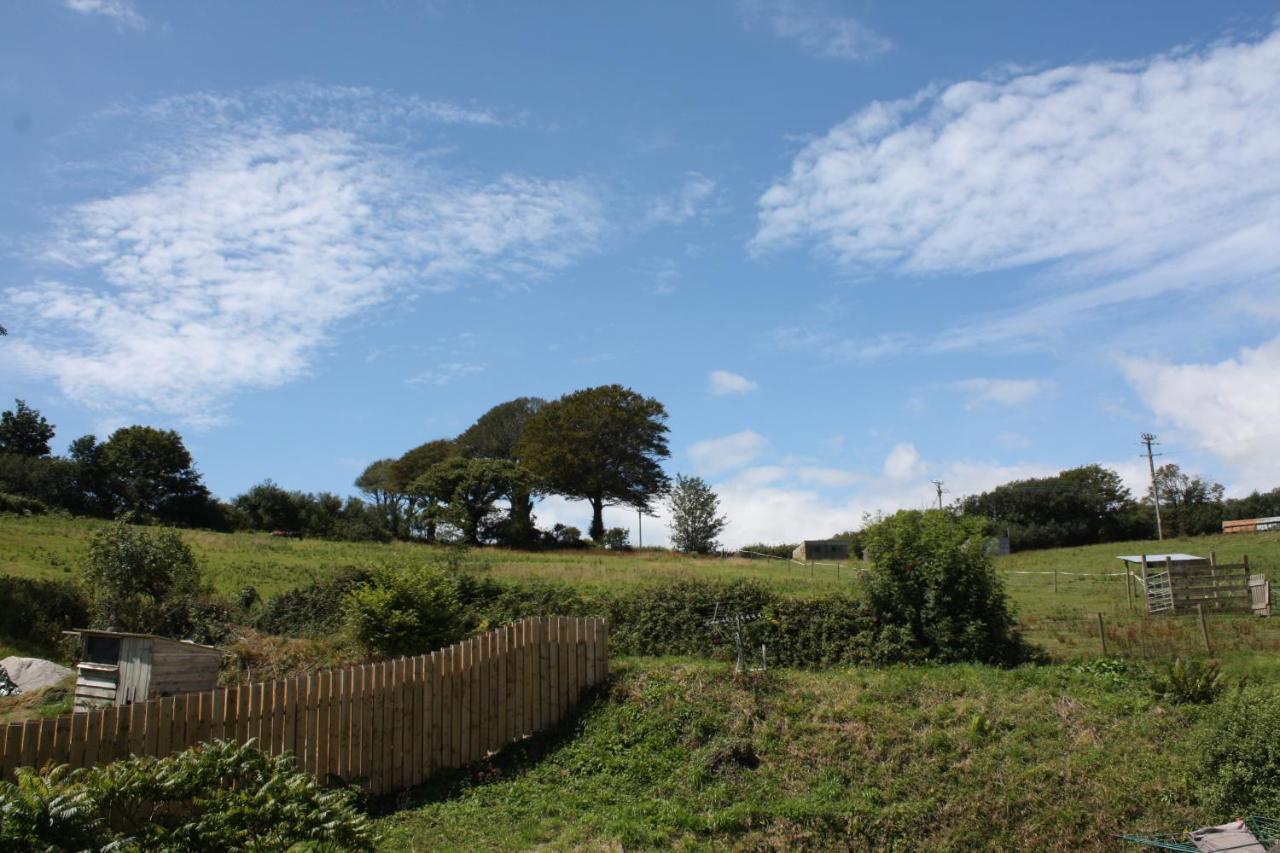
column 118, row 668
column 1251, row 525
column 821, row 549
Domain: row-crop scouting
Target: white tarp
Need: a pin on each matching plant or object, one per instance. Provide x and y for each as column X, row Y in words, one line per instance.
column 1234, row 836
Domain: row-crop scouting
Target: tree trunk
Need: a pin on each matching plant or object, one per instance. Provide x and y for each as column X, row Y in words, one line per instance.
column 520, row 524
column 597, row 519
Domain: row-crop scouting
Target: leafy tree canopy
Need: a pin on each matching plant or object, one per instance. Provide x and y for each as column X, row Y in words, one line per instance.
column 1078, row 506
column 496, row 433
column 602, row 445
column 695, row 522
column 24, row 431
column 150, row 472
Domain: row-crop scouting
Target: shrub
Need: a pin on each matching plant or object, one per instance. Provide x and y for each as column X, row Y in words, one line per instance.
column 617, row 539
column 1189, row 682
column 405, row 612
column 181, row 802
column 1237, row 754
column 146, row 581
column 784, row 551
column 671, row 618
column 21, row 506
column 486, row 603
column 313, row 610
column 933, row 592
column 562, row 536
column 40, row 610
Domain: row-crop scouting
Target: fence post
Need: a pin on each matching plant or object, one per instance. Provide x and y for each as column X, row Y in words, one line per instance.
column 1146, row 593
column 1055, row 580
column 1204, row 628
column 1102, row 634
column 1128, row 589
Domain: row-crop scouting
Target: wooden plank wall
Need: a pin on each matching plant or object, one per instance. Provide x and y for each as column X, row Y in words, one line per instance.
column 1216, row 586
column 385, row 725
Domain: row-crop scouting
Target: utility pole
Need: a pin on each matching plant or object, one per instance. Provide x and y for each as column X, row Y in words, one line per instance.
column 937, row 484
column 640, row 527
column 1148, row 439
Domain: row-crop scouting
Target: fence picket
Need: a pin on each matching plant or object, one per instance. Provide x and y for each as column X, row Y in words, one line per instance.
column 390, row 725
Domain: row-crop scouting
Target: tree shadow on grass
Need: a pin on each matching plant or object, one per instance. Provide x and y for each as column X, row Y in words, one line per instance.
column 507, row 763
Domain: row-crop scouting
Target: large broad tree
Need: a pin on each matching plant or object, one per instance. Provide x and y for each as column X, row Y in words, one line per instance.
column 380, row 481
column 151, row 473
column 472, row 486
column 495, row 436
column 423, row 507
column 695, row 518
column 24, row 431
column 602, row 445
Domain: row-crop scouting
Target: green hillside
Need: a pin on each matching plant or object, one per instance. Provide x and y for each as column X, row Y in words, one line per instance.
column 937, row 758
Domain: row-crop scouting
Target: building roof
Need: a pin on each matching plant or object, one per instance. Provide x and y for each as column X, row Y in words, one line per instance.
column 1160, row 558
column 95, row 632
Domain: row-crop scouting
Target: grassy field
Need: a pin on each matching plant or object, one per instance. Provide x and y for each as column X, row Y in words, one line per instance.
column 1063, row 620
column 677, row 754
column 937, row 758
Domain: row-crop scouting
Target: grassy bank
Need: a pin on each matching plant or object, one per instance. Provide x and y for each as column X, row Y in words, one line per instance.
column 938, row 758
column 1056, row 613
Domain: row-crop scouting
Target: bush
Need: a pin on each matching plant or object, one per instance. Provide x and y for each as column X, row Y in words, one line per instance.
column 40, row 610
column 784, row 551
column 671, row 618
column 181, row 802
column 406, row 612
column 617, row 539
column 314, row 610
column 934, row 594
column 147, row 581
column 562, row 536
column 1189, row 682
column 1238, row 754
column 19, row 505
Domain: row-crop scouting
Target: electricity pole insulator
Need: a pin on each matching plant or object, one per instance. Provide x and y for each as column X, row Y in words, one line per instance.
column 937, row 484
column 1148, row 439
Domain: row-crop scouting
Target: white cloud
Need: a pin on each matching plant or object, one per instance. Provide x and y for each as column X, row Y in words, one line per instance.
column 229, row 268
column 903, row 463
column 443, row 374
column 722, row 382
column 123, row 11
column 1231, row 408
column 1156, row 175
column 1004, row 392
column 685, row 203
column 717, row 455
column 817, row 28
column 828, row 478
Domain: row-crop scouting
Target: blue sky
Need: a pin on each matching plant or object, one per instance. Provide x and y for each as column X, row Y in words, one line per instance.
column 853, row 247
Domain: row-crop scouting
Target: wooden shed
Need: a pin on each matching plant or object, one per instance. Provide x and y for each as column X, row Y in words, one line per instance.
column 117, row 668
column 821, row 549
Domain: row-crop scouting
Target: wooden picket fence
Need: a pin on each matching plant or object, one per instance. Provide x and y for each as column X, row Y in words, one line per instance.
column 385, row 726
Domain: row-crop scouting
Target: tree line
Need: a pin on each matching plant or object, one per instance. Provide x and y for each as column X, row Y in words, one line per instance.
column 1090, row 504
column 603, row 445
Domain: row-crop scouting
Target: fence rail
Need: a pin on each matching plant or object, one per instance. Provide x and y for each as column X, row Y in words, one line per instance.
column 385, row 726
